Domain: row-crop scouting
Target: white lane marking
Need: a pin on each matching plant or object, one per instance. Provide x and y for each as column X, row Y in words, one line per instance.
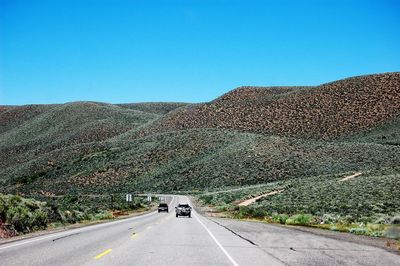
column 215, row 240
column 172, row 203
column 67, row 232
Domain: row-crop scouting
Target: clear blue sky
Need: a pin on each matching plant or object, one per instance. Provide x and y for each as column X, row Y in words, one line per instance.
column 58, row 51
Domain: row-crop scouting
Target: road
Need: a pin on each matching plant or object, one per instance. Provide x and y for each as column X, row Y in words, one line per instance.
column 163, row 239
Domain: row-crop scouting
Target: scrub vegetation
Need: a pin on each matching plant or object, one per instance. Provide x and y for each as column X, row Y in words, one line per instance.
column 328, row 111
column 363, row 205
column 23, row 215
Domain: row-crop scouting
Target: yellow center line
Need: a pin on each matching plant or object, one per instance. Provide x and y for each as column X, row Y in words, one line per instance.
column 102, row 254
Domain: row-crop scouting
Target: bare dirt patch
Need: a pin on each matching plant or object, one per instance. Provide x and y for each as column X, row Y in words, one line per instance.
column 252, row 200
column 350, row 176
column 5, row 231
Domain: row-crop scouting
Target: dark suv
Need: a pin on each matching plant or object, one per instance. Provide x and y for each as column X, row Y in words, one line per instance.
column 163, row 207
column 183, row 210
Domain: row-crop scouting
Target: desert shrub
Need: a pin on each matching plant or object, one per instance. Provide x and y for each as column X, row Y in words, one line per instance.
column 23, row 215
column 18, row 217
column 328, row 218
column 243, row 212
column 299, row 219
column 395, row 220
column 222, row 208
column 206, row 199
column 53, row 212
column 348, row 219
column 358, row 230
column 280, row 218
column 38, row 219
column 2, row 209
column 382, row 219
column 334, row 228
column 248, row 212
column 71, row 217
column 80, row 215
column 375, row 227
column 75, row 216
column 13, row 200
column 377, row 233
column 104, row 215
column 258, row 212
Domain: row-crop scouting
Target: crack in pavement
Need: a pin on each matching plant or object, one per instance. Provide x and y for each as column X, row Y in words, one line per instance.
column 233, row 232
column 251, row 242
column 55, row 239
column 327, row 249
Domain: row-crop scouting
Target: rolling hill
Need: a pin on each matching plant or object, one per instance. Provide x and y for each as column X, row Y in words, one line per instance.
column 32, row 130
column 251, row 135
column 327, row 111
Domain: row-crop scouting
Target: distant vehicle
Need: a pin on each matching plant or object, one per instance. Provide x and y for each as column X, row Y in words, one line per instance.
column 183, row 210
column 163, row 207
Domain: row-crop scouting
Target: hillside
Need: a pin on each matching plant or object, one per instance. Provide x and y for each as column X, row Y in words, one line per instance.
column 296, row 136
column 13, row 116
column 29, row 131
column 327, row 111
column 193, row 159
column 364, row 197
column 387, row 133
column 156, row 108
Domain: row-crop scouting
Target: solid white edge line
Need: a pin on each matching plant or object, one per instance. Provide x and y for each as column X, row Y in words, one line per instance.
column 217, row 242
column 214, row 238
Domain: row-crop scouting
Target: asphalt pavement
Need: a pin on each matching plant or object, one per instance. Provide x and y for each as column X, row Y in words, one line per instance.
column 162, row 239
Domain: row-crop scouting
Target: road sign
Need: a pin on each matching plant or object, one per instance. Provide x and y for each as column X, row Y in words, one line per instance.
column 128, row 197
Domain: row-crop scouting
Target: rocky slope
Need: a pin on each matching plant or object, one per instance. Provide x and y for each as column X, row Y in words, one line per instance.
column 328, row 111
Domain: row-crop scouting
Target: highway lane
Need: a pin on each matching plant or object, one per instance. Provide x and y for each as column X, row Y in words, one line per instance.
column 152, row 239
column 163, row 239
column 187, row 241
column 76, row 246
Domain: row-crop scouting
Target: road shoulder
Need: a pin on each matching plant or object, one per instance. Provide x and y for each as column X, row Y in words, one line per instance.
column 50, row 230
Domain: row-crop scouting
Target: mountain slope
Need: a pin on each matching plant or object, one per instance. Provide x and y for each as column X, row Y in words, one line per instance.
column 248, row 136
column 156, row 107
column 387, row 133
column 193, row 159
column 13, row 116
column 327, row 111
column 29, row 131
